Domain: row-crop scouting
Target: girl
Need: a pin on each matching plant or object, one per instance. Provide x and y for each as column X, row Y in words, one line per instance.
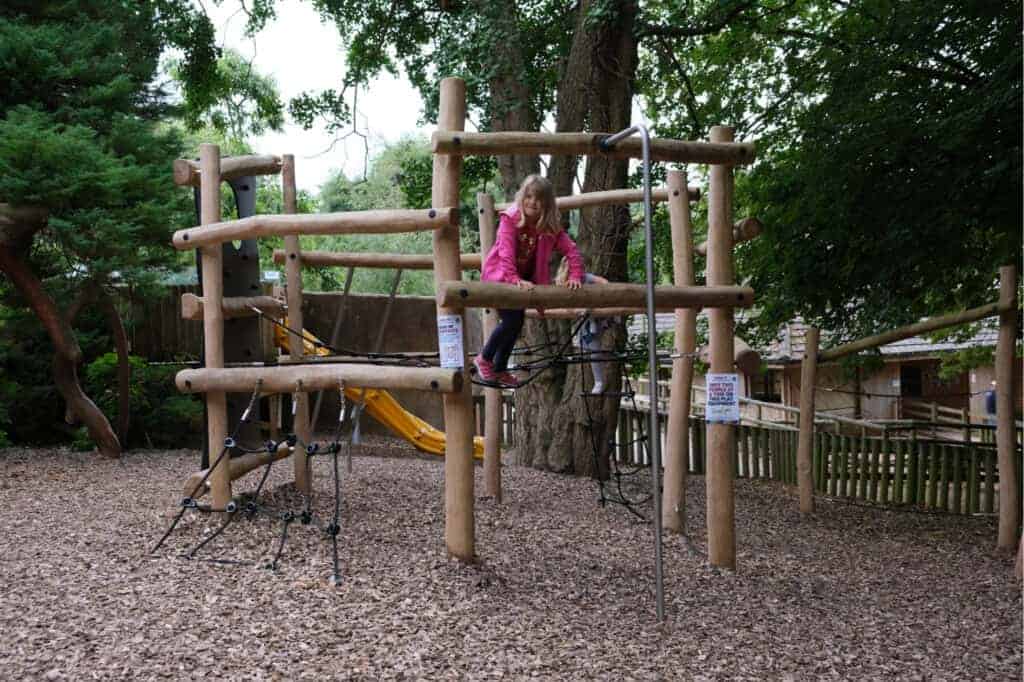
column 529, row 230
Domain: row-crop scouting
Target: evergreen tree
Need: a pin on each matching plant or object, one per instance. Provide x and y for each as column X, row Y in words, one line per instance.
column 84, row 163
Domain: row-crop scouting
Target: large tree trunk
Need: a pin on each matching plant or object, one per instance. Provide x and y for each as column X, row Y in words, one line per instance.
column 554, row 431
column 90, row 294
column 510, row 99
column 67, row 352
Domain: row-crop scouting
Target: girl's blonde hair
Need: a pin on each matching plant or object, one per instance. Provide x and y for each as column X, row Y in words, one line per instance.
column 540, row 187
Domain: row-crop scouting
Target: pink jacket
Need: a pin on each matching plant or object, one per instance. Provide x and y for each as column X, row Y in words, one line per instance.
column 500, row 263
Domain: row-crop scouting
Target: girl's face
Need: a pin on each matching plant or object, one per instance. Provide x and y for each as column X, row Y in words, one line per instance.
column 532, row 206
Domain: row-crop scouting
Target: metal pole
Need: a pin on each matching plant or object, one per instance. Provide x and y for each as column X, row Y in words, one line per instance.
column 652, row 360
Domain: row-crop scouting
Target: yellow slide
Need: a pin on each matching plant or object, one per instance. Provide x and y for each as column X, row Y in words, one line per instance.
column 382, row 406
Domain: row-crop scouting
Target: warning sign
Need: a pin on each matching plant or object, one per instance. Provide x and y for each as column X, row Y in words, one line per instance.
column 723, row 399
column 449, row 341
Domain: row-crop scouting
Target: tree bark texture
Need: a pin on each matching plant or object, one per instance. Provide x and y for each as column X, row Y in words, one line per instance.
column 595, row 92
column 89, row 294
column 510, row 97
column 67, row 352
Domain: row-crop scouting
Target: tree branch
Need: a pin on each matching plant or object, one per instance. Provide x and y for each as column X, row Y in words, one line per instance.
column 708, row 27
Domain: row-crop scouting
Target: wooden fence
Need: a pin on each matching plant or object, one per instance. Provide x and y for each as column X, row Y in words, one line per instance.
column 889, row 470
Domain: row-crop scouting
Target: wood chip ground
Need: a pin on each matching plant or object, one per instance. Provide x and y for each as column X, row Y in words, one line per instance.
column 563, row 589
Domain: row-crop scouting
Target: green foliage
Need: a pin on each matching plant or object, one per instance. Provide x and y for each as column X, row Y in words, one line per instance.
column 79, row 132
column 160, row 415
column 888, row 134
column 465, row 39
column 956, row 363
column 244, row 102
column 31, row 408
column 399, row 177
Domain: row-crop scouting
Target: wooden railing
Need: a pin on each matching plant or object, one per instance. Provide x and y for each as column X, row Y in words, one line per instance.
column 894, row 468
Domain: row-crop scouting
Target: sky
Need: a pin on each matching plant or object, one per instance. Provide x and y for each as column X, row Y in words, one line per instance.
column 303, row 54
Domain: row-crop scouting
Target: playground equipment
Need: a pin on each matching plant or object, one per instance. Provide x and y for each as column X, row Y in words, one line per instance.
column 450, row 379
column 380, row 404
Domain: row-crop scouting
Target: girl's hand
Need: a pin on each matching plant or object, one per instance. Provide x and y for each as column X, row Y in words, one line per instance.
column 524, row 284
column 573, row 284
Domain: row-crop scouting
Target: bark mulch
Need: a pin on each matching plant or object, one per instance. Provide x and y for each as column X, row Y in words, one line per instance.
column 563, row 588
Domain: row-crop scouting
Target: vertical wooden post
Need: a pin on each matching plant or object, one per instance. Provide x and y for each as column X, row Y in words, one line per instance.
column 719, row 480
column 805, row 449
column 1009, row 500
column 677, row 451
column 293, row 278
column 213, row 322
column 487, row 221
column 458, row 407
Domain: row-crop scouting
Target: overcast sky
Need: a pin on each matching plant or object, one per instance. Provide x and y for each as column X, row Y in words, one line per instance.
column 301, row 54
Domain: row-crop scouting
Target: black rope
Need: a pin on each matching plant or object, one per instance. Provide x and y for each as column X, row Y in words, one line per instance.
column 286, row 519
column 418, row 360
column 229, row 442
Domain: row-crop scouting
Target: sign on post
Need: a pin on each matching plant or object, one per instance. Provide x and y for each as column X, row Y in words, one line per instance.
column 723, row 406
column 449, row 341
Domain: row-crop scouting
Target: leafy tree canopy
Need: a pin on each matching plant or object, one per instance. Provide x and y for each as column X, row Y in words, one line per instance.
column 79, row 134
column 889, row 137
column 889, row 171
column 399, row 177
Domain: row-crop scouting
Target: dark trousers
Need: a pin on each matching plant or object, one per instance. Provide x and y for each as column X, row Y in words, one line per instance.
column 503, row 338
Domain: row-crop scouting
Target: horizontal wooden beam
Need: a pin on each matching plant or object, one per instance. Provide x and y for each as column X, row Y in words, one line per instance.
column 306, row 378
column 350, row 222
column 405, row 261
column 186, row 171
column 742, row 231
column 453, row 294
column 575, row 144
column 611, row 197
column 238, row 467
column 571, row 313
column 234, row 306
column 746, row 359
column 911, row 330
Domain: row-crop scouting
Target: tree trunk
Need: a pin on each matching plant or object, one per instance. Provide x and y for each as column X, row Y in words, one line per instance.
column 89, row 294
column 510, row 99
column 554, row 431
column 67, row 352
column 124, row 367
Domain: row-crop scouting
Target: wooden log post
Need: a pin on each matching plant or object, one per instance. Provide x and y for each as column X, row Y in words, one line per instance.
column 805, row 449
column 458, row 407
column 1006, row 441
column 911, row 330
column 721, row 520
column 615, row 294
column 293, row 280
column 404, row 261
column 677, row 451
column 742, row 231
column 612, row 197
column 575, row 144
column 238, row 467
column 350, row 222
column 284, row 378
column 213, row 324
column 235, row 306
column 187, row 172
column 487, row 221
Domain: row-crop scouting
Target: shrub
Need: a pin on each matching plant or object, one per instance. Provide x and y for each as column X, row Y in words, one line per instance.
column 160, row 416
